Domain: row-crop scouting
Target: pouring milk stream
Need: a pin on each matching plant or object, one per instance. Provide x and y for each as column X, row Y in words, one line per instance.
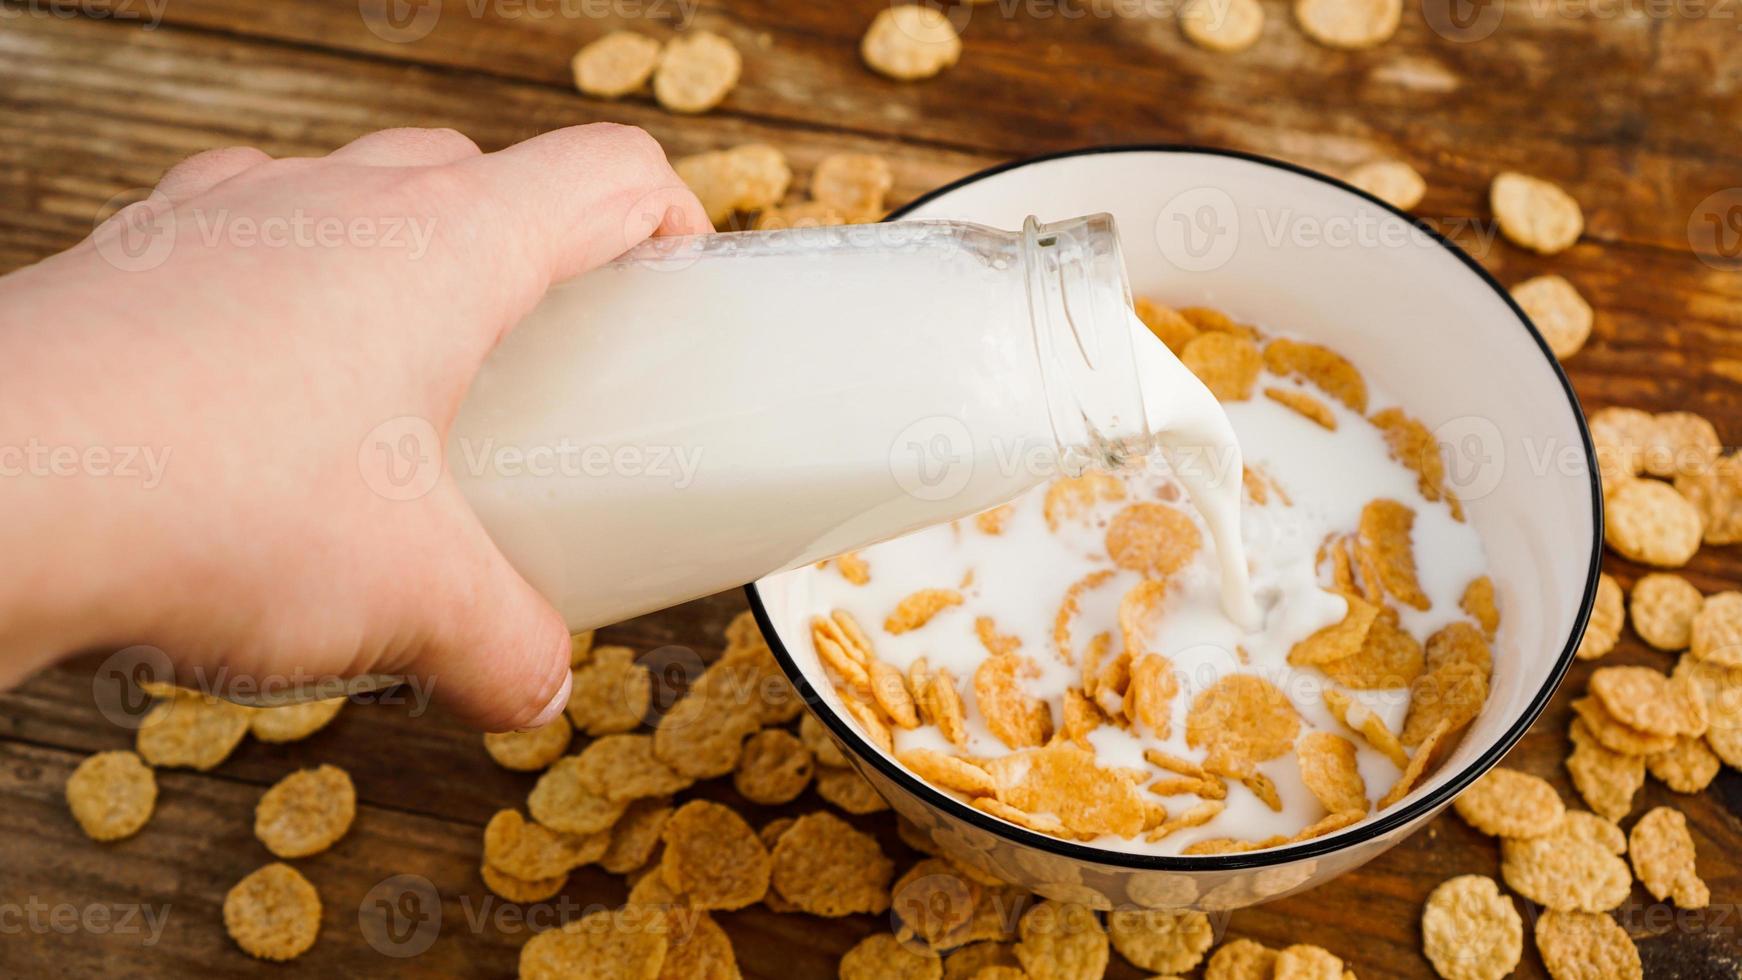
column 709, row 410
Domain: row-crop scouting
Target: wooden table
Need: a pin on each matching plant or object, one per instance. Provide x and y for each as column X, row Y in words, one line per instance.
column 1636, row 115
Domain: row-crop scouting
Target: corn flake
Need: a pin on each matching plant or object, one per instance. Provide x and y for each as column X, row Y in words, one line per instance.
column 1300, row 402
column 1649, row 701
column 848, row 790
column 1154, row 540
column 1716, row 634
column 1509, row 803
column 1607, row 780
column 1167, row 324
column 306, row 812
column 273, row 913
column 1560, row 314
column 1607, row 617
column 564, row 800
column 696, row 71
column 1323, row 367
column 1566, row 873
column 1241, row 719
column 1227, row 363
column 1662, row 852
column 1306, row 962
column 531, row 852
column 1586, row 944
column 1716, row 491
column 530, row 751
column 1417, row 448
column 853, row 184
column 1647, row 521
column 293, row 722
column 749, row 177
column 1242, row 959
column 191, row 730
column 713, row 858
column 825, row 867
column 1663, row 607
column 636, row 835
column 774, row 768
column 520, row 890
column 606, row 943
column 1385, row 536
column 616, row 64
column 1392, row 181
column 1061, row 941
column 910, row 42
column 610, row 693
column 1470, row 931
column 948, row 771
column 1371, row 727
column 881, row 956
column 1534, row 213
column 917, row 609
column 1328, row 767
column 111, row 795
column 1161, row 941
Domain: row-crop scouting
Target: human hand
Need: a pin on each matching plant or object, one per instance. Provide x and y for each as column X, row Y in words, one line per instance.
column 248, row 374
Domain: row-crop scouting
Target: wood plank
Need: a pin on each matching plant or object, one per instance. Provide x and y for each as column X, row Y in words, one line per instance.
column 1633, row 115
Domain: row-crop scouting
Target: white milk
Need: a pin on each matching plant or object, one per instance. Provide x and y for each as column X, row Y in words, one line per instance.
column 662, row 429
column 1020, row 576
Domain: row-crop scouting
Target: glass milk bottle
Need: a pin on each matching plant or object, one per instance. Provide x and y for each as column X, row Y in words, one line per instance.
column 708, row 410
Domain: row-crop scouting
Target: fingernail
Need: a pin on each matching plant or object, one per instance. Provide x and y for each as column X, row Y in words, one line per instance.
column 556, row 705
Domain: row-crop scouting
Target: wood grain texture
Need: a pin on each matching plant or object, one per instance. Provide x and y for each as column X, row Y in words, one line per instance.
column 1636, row 115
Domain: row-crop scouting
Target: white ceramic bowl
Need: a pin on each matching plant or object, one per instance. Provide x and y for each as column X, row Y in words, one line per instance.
column 1271, row 242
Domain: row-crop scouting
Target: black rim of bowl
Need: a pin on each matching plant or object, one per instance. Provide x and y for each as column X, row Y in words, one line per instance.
column 1385, row 823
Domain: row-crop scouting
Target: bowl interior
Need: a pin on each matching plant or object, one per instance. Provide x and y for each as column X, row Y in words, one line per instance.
column 1277, row 246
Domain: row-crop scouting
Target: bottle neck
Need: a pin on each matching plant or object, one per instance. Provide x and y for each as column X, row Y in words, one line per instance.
column 1079, row 302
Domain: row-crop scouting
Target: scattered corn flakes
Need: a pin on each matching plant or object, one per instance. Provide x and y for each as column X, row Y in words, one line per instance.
column 306, row 812
column 1649, row 522
column 636, row 835
column 1649, row 701
column 1716, row 634
column 1161, row 941
column 1589, row 827
column 910, row 42
column 1615, row 736
column 853, row 184
column 616, row 64
column 1680, row 442
column 1534, row 213
column 273, row 913
column 1560, row 314
column 111, row 795
column 1662, row 852
column 933, row 900
column 1242, row 959
column 1688, row 767
column 749, row 177
column 775, row 767
column 701, row 737
column 293, row 722
column 1328, row 767
column 530, row 751
column 1608, row 615
column 1509, row 803
column 606, row 943
column 565, row 801
column 1306, row 962
column 1392, row 181
column 1566, row 873
column 191, row 730
column 1228, row 364
column 848, row 790
column 713, row 858
column 580, row 647
column 610, row 693
column 1716, row 491
column 1580, row 945
column 1061, row 941
column 825, row 867
column 881, row 956
column 1605, row 779
column 1470, row 931
column 1224, row 27
column 530, row 851
column 622, row 768
column 1663, row 606
column 696, row 71
column 698, row 949
column 520, row 890
column 971, row 961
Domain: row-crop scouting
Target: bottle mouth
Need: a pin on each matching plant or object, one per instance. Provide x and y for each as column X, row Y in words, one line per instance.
column 1080, row 307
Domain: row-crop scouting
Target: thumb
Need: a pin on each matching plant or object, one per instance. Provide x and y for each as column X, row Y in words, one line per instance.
column 492, row 650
